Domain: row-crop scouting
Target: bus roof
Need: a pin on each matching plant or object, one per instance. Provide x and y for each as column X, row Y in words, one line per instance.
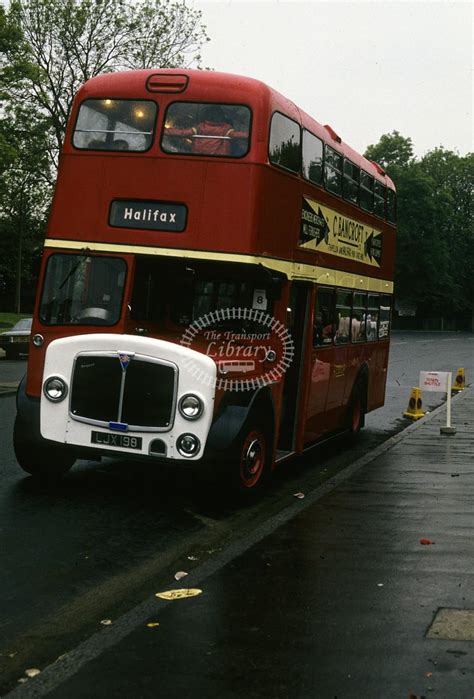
column 213, row 86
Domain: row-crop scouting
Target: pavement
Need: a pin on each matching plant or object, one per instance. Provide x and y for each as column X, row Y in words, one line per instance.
column 361, row 589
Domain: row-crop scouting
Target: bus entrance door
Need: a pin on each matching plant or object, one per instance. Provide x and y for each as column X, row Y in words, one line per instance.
column 293, row 392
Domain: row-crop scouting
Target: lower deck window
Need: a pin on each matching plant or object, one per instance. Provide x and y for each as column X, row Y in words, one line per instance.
column 172, row 294
column 342, row 316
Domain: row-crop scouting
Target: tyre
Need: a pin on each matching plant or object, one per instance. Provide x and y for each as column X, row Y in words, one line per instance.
column 250, row 461
column 46, row 461
column 356, row 410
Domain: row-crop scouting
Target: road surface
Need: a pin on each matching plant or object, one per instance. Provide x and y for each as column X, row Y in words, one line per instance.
column 111, row 534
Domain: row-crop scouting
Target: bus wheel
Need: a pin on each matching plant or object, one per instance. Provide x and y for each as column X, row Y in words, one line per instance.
column 43, row 461
column 251, row 466
column 356, row 411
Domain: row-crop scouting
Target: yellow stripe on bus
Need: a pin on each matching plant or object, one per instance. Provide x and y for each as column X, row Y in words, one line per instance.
column 293, row 270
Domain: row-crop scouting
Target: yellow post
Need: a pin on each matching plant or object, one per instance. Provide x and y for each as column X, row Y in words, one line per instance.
column 460, row 380
column 414, row 410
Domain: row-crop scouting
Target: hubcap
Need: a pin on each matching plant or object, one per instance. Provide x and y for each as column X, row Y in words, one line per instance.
column 252, row 459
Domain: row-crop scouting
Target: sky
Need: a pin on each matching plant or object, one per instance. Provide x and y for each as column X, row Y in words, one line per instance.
column 365, row 68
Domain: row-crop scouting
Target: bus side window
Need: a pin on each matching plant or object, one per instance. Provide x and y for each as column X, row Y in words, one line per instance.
column 323, row 325
column 312, row 158
column 366, row 192
column 359, row 317
column 372, row 316
column 284, row 147
column 333, row 170
column 351, row 182
column 379, row 199
column 384, row 323
column 343, row 316
column 391, row 206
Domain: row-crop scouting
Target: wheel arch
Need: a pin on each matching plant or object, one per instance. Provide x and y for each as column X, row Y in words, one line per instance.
column 234, row 414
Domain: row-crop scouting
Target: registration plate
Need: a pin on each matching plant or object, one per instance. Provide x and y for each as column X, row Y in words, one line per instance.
column 125, row 441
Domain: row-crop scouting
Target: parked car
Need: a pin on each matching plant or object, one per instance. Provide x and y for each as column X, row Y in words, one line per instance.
column 16, row 341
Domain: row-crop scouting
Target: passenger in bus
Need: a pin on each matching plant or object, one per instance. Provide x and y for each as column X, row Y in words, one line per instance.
column 371, row 328
column 343, row 327
column 323, row 329
column 101, row 144
column 120, row 144
column 96, row 144
column 356, row 329
column 212, row 136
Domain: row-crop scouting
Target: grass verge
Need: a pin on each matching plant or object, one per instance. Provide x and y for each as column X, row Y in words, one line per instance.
column 7, row 320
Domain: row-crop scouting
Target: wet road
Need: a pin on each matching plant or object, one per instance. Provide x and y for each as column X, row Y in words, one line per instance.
column 110, row 535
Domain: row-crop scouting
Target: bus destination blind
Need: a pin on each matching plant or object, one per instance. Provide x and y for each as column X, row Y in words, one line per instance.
column 148, row 215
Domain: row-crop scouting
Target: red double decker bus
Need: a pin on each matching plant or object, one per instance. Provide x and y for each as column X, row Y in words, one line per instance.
column 216, row 282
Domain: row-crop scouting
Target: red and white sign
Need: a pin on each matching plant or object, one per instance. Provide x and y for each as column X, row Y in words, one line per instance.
column 435, row 381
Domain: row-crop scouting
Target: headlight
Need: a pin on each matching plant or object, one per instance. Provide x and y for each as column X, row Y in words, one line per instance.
column 188, row 445
column 55, row 389
column 191, row 407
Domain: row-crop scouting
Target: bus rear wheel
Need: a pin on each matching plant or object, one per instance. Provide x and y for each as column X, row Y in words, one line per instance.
column 356, row 410
column 43, row 461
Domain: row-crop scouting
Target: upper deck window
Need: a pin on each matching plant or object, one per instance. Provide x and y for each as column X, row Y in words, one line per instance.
column 333, row 171
column 109, row 124
column 312, row 158
column 379, row 199
column 366, row 191
column 391, row 206
column 285, row 138
column 193, row 128
column 351, row 182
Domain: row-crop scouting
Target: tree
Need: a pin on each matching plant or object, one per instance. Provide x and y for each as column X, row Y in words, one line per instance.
column 435, row 244
column 393, row 150
column 423, row 274
column 25, row 194
column 59, row 44
column 453, row 178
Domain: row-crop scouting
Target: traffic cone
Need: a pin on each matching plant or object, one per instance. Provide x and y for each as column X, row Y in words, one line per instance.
column 460, row 380
column 415, row 404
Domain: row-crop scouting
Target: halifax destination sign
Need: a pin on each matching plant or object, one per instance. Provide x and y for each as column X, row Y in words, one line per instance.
column 148, row 215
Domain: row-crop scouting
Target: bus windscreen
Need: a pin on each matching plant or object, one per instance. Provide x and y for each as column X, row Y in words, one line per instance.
column 82, row 290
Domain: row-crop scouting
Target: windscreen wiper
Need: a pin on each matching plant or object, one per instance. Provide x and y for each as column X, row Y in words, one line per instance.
column 73, row 270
